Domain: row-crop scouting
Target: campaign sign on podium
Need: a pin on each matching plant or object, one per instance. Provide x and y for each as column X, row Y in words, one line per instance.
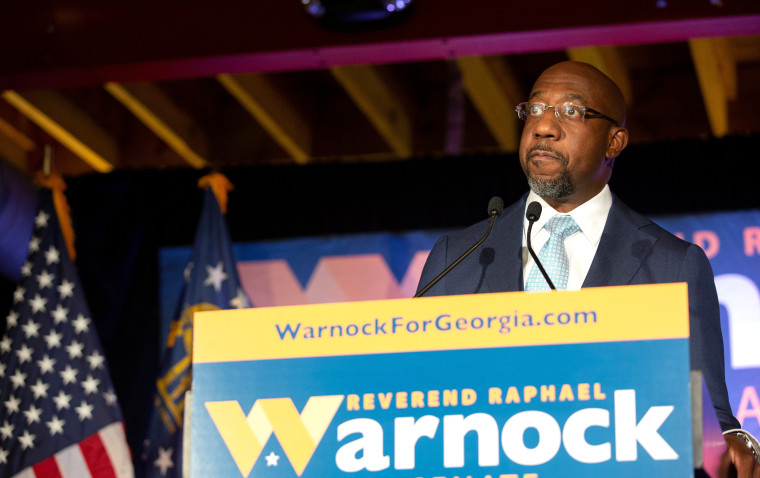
column 586, row 383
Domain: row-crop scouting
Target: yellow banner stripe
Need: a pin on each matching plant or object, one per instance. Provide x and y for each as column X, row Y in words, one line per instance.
column 604, row 314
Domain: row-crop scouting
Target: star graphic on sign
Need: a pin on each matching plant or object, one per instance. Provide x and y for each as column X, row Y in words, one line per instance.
column 52, row 256
column 164, row 460
column 272, row 459
column 216, row 276
column 66, row 289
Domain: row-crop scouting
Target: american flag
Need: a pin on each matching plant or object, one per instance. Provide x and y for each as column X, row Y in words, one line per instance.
column 211, row 283
column 59, row 416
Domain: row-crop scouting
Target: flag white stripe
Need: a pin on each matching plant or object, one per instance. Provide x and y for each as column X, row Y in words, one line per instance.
column 27, row 473
column 71, row 462
column 115, row 442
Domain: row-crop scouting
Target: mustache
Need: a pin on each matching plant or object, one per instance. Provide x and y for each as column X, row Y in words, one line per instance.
column 545, row 148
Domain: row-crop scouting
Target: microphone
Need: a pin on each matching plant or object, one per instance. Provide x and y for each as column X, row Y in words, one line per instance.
column 532, row 215
column 495, row 206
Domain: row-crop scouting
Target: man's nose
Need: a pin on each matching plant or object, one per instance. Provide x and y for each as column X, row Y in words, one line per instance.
column 548, row 125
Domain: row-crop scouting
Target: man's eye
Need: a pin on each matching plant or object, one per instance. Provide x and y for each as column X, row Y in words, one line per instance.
column 571, row 111
column 535, row 109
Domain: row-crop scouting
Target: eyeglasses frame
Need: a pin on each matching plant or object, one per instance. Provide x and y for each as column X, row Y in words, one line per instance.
column 586, row 110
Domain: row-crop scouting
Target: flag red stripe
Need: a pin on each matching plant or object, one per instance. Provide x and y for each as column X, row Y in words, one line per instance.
column 47, row 469
column 96, row 457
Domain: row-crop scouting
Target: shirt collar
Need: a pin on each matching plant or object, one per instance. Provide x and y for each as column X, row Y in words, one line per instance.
column 590, row 216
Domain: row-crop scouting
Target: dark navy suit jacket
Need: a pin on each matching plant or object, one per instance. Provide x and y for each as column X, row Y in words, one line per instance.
column 632, row 250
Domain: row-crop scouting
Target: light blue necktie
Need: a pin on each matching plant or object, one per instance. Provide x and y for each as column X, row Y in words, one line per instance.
column 553, row 255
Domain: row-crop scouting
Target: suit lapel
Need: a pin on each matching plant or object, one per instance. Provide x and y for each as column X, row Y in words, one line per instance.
column 622, row 248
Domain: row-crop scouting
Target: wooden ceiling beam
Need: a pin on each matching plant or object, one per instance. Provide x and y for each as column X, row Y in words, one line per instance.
column 609, row 61
column 716, row 73
column 69, row 125
column 159, row 113
column 495, row 91
column 274, row 111
column 14, row 145
column 381, row 103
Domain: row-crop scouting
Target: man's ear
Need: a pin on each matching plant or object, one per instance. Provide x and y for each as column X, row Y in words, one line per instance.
column 618, row 141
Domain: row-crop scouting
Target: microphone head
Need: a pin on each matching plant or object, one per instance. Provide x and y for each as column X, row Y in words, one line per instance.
column 495, row 206
column 534, row 211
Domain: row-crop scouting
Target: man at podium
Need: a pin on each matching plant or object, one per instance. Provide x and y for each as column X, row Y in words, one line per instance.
column 585, row 236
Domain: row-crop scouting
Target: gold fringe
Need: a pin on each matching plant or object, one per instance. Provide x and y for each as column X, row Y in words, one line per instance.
column 219, row 185
column 55, row 182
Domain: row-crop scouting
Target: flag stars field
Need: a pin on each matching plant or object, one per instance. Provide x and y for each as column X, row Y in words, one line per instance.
column 60, row 314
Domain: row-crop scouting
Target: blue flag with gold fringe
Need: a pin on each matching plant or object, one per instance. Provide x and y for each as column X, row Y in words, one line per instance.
column 211, row 283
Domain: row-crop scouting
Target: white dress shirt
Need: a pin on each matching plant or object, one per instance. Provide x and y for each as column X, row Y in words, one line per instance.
column 590, row 216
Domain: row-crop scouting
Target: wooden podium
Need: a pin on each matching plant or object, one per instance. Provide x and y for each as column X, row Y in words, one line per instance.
column 584, row 383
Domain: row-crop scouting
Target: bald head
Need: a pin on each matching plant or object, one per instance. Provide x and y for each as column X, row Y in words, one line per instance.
column 603, row 94
column 568, row 160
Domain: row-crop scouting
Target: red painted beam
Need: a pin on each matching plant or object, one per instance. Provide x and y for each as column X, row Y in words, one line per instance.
column 79, row 44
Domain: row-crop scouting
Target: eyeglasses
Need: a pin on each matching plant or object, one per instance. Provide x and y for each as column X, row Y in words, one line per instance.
column 566, row 111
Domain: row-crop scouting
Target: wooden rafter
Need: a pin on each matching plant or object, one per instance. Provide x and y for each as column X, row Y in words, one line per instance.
column 380, row 102
column 609, row 61
column 494, row 91
column 271, row 107
column 151, row 106
column 69, row 125
column 716, row 72
column 14, row 145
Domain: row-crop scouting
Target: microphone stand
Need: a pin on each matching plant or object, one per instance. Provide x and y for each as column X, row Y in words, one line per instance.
column 495, row 211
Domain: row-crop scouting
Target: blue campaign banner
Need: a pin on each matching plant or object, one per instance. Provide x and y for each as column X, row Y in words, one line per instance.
column 437, row 407
column 446, row 448
column 731, row 241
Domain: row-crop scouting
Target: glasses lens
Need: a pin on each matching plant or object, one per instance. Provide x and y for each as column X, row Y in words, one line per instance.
column 571, row 112
column 521, row 111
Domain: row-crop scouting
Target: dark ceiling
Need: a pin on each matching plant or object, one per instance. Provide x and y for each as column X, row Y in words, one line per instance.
column 191, row 84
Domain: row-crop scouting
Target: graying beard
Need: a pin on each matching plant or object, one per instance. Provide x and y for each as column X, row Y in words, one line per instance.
column 552, row 189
